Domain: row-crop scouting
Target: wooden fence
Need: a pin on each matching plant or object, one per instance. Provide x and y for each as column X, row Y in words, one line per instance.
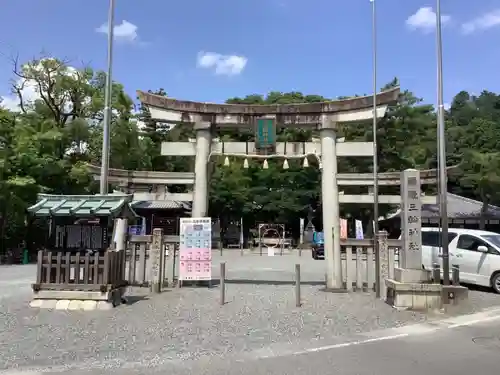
column 139, row 265
column 70, row 271
column 358, row 262
column 152, row 261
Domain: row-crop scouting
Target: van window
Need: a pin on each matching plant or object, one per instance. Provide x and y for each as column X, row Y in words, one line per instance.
column 433, row 238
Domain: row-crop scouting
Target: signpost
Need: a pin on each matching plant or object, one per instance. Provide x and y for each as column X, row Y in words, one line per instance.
column 195, row 249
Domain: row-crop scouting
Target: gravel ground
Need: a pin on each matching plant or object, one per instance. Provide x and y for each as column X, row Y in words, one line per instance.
column 189, row 323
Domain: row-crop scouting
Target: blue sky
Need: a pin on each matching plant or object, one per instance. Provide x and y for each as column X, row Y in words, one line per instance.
column 254, row 46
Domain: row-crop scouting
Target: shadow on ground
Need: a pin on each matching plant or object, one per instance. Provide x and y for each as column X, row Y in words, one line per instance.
column 133, row 299
column 479, row 288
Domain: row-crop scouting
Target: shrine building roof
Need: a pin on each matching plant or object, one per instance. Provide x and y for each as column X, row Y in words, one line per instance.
column 112, row 205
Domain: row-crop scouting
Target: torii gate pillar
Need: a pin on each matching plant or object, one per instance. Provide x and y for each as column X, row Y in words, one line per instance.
column 203, row 145
column 330, row 202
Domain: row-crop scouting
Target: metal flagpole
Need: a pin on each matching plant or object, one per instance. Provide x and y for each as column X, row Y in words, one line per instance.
column 107, row 103
column 443, row 188
column 375, row 156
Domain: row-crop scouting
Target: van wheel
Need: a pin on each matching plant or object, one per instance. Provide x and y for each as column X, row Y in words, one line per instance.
column 314, row 256
column 495, row 282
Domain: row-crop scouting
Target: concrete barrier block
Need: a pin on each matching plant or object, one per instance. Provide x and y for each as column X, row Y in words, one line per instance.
column 36, row 303
column 62, row 304
column 89, row 305
column 104, row 305
column 75, row 305
column 49, row 304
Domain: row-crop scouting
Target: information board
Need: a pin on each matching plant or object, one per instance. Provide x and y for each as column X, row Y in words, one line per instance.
column 195, row 251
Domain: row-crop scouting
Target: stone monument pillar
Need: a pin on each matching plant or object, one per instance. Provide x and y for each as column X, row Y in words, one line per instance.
column 410, row 267
column 203, row 143
column 411, row 287
column 156, row 254
column 411, row 220
column 330, row 201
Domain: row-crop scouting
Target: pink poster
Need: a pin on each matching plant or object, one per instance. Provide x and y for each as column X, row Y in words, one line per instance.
column 343, row 229
column 195, row 250
column 195, row 270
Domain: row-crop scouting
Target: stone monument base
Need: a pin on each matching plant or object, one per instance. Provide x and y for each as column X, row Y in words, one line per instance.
column 78, row 300
column 405, row 275
column 457, row 294
column 413, row 290
column 413, row 296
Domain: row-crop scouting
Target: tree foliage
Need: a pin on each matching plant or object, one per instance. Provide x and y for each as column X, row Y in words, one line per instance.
column 46, row 143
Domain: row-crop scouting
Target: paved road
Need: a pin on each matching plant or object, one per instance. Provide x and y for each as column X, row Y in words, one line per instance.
column 16, row 280
column 463, row 345
column 456, row 346
column 470, row 349
column 186, row 331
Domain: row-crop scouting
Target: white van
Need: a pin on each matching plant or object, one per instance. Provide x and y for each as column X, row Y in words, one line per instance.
column 477, row 252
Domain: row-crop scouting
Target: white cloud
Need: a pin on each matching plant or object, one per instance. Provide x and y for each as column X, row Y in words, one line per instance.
column 125, row 31
column 9, row 102
column 424, row 19
column 228, row 65
column 483, row 22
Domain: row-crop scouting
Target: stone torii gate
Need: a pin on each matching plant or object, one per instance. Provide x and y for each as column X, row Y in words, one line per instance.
column 206, row 118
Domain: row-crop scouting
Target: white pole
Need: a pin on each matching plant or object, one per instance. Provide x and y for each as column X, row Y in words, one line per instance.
column 375, row 156
column 443, row 180
column 107, row 103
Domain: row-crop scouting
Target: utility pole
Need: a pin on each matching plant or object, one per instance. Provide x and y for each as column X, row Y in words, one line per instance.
column 107, row 103
column 375, row 156
column 443, row 178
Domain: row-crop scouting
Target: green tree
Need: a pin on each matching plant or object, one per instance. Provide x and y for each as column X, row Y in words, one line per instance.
column 47, row 142
column 480, row 172
column 473, row 142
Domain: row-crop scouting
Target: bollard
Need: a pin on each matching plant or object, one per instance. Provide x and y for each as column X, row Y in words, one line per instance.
column 297, row 286
column 436, row 273
column 223, row 283
column 455, row 274
column 25, row 256
column 300, row 251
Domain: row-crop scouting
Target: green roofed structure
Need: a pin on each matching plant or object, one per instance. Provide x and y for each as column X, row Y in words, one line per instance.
column 83, row 206
column 82, row 265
